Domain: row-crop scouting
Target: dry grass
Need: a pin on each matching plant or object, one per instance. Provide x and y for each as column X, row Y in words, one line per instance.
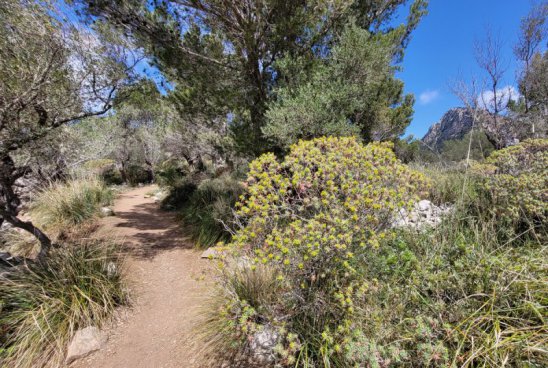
column 42, row 304
column 62, row 206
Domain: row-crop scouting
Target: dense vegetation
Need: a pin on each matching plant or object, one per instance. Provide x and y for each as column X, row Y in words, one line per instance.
column 273, row 129
column 342, row 288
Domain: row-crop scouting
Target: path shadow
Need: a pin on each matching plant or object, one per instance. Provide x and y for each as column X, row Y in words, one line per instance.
column 148, row 230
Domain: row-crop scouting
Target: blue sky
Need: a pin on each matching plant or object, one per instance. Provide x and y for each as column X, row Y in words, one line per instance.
column 441, row 49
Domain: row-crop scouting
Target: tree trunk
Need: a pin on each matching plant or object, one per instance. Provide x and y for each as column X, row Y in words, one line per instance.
column 10, row 203
column 45, row 241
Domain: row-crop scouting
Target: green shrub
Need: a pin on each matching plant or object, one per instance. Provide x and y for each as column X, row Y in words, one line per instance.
column 208, row 209
column 313, row 218
column 63, row 205
column 111, row 176
column 104, row 169
column 172, row 173
column 455, row 296
column 136, row 174
column 43, row 304
column 519, row 185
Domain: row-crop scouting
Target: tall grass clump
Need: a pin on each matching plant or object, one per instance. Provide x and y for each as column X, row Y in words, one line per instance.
column 43, row 304
column 208, row 209
column 63, row 205
column 251, row 292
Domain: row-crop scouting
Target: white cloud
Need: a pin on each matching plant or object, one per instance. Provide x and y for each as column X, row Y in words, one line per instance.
column 505, row 94
column 428, row 96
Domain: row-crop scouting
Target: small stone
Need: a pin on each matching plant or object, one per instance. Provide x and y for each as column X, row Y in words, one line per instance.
column 111, row 269
column 85, row 342
column 107, row 211
column 424, row 205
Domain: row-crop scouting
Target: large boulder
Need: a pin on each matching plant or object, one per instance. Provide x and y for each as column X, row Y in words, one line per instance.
column 85, row 342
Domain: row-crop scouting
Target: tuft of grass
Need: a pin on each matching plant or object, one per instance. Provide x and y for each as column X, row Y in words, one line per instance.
column 242, row 295
column 64, row 205
column 43, row 304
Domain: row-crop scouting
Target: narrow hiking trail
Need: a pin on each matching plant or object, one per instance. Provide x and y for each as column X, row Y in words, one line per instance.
column 168, row 282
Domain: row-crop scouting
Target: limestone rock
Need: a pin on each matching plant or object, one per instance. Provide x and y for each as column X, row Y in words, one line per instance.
column 106, row 211
column 423, row 214
column 262, row 346
column 85, row 342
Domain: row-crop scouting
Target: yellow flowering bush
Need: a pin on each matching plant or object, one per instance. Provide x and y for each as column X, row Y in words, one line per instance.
column 313, row 218
column 519, row 185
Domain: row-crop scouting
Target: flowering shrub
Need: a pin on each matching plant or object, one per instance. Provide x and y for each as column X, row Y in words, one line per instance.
column 313, row 218
column 519, row 186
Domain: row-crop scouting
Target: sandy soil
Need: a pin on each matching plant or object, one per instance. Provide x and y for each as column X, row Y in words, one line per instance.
column 169, row 284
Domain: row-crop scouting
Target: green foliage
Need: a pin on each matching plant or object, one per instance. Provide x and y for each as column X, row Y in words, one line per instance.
column 104, row 169
column 313, row 218
column 455, row 296
column 519, row 186
column 64, row 205
column 352, row 92
column 227, row 325
column 137, row 174
column 453, row 185
column 172, row 173
column 209, row 208
column 43, row 304
column 191, row 51
column 407, row 149
column 457, row 150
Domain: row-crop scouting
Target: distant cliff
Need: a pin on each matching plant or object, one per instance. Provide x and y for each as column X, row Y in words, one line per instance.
column 456, row 122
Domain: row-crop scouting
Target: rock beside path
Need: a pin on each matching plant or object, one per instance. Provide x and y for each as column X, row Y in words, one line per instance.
column 263, row 346
column 85, row 342
column 107, row 211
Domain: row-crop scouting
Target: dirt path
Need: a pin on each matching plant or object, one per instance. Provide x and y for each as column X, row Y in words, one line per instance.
column 166, row 276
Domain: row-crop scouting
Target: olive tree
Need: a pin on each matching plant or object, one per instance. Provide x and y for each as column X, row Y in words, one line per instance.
column 52, row 73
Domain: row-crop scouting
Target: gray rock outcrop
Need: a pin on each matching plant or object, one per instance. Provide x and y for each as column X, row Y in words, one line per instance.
column 424, row 214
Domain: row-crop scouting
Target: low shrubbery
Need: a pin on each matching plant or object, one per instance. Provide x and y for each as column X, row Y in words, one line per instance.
column 105, row 169
column 43, row 304
column 63, row 205
column 203, row 198
column 313, row 218
column 136, row 174
column 454, row 296
column 209, row 208
column 516, row 180
column 317, row 262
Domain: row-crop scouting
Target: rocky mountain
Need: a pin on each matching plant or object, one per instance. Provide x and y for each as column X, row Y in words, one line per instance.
column 454, row 124
column 458, row 121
